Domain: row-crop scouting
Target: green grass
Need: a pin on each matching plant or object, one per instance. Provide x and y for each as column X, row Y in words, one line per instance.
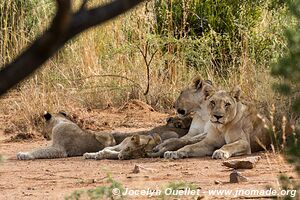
column 100, row 192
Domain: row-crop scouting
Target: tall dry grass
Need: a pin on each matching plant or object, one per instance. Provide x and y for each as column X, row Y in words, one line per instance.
column 104, row 66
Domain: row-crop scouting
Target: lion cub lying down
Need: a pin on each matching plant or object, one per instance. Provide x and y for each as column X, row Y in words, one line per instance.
column 175, row 126
column 139, row 145
column 135, row 146
column 67, row 139
column 234, row 128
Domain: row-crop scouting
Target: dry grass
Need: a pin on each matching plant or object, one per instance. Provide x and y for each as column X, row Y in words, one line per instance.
column 104, row 67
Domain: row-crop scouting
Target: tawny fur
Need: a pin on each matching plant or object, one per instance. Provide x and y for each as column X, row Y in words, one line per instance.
column 233, row 129
column 175, row 125
column 67, row 140
column 192, row 99
column 141, row 143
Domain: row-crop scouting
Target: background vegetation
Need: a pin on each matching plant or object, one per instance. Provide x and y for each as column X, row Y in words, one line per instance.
column 229, row 42
column 288, row 69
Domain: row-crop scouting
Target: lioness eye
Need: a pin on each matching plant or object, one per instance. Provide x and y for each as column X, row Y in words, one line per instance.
column 212, row 103
column 227, row 104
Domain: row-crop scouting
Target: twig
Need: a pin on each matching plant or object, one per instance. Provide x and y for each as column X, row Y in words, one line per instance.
column 148, row 63
column 83, row 5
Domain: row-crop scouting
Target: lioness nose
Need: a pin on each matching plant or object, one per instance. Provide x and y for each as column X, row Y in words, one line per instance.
column 181, row 111
column 218, row 116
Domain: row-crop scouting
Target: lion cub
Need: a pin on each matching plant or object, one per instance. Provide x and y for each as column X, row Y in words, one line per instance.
column 67, row 139
column 234, row 128
column 135, row 146
column 175, row 126
column 139, row 144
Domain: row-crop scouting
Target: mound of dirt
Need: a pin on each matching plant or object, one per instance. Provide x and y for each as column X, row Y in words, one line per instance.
column 135, row 104
column 90, row 119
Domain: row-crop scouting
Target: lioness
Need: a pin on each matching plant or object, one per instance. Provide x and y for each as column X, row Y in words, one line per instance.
column 233, row 129
column 141, row 143
column 191, row 100
column 67, row 139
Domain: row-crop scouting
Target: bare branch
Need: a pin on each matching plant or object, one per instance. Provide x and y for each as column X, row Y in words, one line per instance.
column 83, row 5
column 42, row 49
column 147, row 62
column 148, row 72
column 85, row 19
column 152, row 56
column 64, row 27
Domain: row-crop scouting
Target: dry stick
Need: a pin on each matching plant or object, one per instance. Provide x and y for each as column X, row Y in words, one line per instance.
column 148, row 71
column 144, row 54
column 83, row 5
column 65, row 26
column 148, row 63
column 39, row 51
column 148, row 68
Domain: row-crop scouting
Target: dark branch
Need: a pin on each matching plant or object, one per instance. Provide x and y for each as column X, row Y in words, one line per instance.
column 83, row 5
column 40, row 50
column 147, row 62
column 64, row 27
column 85, row 19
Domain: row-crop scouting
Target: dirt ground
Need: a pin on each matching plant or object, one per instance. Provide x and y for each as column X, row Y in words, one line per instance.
column 58, row 178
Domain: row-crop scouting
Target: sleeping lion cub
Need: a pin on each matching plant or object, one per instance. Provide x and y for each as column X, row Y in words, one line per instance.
column 140, row 144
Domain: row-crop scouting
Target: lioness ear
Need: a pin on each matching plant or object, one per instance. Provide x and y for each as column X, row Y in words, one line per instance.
column 47, row 115
column 208, row 91
column 236, row 93
column 197, row 82
column 136, row 139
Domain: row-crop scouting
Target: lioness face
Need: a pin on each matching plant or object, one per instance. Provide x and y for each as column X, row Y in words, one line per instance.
column 222, row 107
column 191, row 99
column 138, row 146
column 51, row 121
column 176, row 122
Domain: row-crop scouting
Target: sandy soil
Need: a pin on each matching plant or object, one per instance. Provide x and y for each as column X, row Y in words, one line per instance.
column 58, row 178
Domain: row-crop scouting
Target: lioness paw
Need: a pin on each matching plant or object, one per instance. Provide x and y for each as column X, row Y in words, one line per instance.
column 220, row 154
column 89, row 155
column 173, row 155
column 24, row 156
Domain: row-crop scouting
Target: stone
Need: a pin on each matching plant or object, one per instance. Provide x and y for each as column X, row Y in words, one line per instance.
column 245, row 163
column 217, row 182
column 136, row 169
column 237, row 177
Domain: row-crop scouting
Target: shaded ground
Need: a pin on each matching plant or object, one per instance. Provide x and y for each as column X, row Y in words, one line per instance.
column 57, row 178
